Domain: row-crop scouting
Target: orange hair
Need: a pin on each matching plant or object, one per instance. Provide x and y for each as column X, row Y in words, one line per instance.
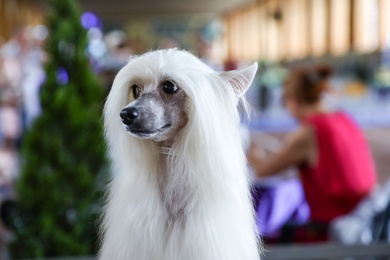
column 307, row 84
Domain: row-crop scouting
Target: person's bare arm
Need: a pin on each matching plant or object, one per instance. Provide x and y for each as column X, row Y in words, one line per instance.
column 298, row 149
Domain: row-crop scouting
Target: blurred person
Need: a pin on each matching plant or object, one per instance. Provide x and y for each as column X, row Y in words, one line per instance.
column 22, row 65
column 118, row 50
column 205, row 52
column 230, row 64
column 334, row 161
column 33, row 77
column 117, row 55
column 12, row 55
column 9, row 167
column 10, row 129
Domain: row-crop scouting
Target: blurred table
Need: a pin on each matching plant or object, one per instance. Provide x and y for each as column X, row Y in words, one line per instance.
column 327, row 251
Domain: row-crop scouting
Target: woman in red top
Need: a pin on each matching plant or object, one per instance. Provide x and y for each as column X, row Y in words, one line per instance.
column 334, row 160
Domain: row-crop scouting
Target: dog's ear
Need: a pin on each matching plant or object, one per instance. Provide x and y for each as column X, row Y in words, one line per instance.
column 241, row 79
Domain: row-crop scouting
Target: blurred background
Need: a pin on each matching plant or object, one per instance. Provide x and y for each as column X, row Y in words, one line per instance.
column 58, row 60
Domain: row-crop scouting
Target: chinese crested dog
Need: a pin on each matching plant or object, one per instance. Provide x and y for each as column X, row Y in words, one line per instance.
column 180, row 188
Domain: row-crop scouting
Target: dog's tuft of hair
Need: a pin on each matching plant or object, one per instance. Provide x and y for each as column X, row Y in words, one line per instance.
column 192, row 205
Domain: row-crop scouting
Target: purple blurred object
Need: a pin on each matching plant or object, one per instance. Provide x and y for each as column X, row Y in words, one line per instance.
column 62, row 76
column 90, row 20
column 278, row 205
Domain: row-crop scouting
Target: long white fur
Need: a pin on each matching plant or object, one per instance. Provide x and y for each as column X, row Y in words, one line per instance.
column 210, row 166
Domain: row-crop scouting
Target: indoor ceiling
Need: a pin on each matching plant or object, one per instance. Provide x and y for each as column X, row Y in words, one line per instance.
column 122, row 10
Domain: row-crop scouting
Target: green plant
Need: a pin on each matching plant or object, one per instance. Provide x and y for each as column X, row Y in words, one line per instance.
column 64, row 163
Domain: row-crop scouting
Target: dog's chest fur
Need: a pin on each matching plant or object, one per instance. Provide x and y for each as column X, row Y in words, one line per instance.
column 174, row 194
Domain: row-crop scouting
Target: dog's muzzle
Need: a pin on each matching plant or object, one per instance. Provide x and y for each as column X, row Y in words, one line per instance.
column 128, row 115
column 140, row 124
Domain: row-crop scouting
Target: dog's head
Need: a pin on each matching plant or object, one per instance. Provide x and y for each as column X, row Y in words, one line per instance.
column 159, row 86
column 156, row 108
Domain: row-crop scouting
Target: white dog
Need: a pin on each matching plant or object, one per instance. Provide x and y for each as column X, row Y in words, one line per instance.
column 180, row 189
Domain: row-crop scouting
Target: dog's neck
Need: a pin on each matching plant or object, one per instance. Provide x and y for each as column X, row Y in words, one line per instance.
column 173, row 194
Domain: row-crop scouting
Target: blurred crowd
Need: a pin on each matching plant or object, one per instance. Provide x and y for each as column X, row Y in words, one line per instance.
column 21, row 74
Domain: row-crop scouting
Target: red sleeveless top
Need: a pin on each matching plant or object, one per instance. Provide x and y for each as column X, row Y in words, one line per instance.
column 344, row 172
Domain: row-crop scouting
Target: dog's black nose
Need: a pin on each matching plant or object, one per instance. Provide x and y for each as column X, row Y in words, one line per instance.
column 128, row 115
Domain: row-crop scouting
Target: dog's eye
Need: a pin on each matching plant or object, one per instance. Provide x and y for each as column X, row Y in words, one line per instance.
column 169, row 87
column 135, row 90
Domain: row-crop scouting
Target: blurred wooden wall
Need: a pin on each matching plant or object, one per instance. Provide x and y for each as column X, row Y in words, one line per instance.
column 295, row 29
column 15, row 14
